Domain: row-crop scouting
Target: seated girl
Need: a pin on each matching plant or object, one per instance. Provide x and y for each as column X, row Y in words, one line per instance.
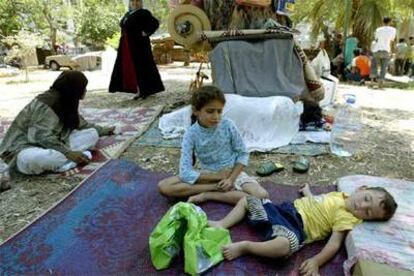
column 49, row 134
column 221, row 152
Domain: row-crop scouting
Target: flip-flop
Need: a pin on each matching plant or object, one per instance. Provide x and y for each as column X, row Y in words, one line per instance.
column 268, row 167
column 301, row 165
column 4, row 182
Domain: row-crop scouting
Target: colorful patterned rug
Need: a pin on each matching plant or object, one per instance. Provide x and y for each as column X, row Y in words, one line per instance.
column 102, row 228
column 131, row 123
column 153, row 137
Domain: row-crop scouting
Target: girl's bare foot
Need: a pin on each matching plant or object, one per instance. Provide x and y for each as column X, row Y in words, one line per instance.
column 200, row 198
column 234, row 250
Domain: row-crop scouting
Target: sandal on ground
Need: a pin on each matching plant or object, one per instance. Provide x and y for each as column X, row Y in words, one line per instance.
column 4, row 185
column 268, row 167
column 301, row 165
column 4, row 180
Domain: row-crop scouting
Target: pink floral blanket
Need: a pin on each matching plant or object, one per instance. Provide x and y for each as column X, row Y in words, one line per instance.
column 390, row 242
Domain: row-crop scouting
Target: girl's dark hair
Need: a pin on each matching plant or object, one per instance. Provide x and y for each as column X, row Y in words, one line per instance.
column 206, row 94
column 203, row 96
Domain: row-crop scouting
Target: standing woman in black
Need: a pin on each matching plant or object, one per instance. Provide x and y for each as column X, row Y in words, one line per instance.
column 135, row 70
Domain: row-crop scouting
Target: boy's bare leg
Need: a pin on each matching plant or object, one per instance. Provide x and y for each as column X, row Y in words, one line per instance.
column 173, row 187
column 276, row 248
column 255, row 189
column 232, row 197
column 236, row 215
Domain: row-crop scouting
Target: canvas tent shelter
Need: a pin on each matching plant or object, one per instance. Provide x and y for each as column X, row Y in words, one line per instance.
column 239, row 32
column 262, row 71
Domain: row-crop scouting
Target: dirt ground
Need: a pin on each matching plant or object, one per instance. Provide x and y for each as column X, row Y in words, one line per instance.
column 386, row 147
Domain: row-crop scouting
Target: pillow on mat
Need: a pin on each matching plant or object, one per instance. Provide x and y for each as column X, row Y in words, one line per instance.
column 390, row 242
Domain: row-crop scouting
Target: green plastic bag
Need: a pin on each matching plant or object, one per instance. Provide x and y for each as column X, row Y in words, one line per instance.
column 186, row 224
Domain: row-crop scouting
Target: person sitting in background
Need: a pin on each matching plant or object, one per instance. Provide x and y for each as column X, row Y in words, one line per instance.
column 351, row 43
column 337, row 56
column 321, row 63
column 49, row 134
column 360, row 67
column 400, row 56
column 338, row 64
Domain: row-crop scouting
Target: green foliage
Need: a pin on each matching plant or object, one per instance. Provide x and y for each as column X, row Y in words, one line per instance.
column 9, row 19
column 93, row 28
column 45, row 16
column 96, row 22
column 160, row 9
column 365, row 17
column 114, row 40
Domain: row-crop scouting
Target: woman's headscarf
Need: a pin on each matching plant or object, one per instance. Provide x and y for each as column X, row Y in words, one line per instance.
column 64, row 95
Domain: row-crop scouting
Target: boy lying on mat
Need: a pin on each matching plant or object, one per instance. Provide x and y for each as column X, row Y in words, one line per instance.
column 287, row 227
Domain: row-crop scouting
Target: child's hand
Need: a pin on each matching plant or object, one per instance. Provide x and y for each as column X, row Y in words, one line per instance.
column 225, row 173
column 78, row 157
column 225, row 185
column 109, row 130
column 309, row 267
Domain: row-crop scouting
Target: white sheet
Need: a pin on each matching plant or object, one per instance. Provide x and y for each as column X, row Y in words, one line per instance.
column 265, row 123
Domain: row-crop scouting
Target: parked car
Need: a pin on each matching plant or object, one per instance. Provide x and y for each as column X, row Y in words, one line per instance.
column 87, row 61
column 56, row 61
column 8, row 71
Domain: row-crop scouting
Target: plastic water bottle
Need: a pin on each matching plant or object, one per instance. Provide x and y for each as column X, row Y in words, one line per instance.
column 346, row 128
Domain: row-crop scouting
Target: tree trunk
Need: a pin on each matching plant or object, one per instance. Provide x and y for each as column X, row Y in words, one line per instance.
column 53, row 35
column 52, row 28
column 26, row 74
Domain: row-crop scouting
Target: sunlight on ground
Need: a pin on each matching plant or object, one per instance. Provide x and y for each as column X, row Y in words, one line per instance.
column 405, row 125
column 15, row 94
